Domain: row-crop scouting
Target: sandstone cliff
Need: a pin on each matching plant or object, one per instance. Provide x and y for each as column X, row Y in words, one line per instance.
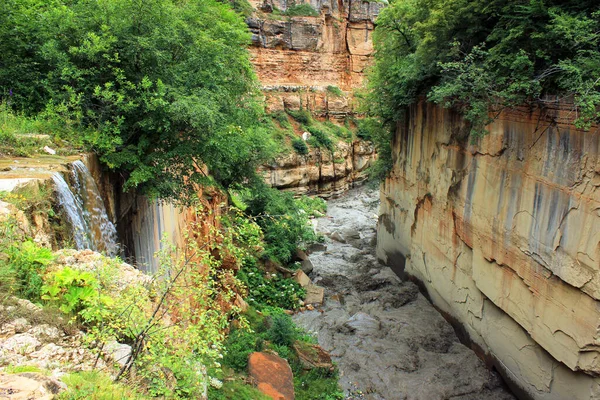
column 505, row 238
column 297, row 58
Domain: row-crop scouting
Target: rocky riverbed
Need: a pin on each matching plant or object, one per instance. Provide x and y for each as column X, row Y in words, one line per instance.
column 387, row 339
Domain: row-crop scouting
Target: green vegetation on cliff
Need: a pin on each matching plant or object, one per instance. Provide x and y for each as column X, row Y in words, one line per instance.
column 481, row 56
column 158, row 88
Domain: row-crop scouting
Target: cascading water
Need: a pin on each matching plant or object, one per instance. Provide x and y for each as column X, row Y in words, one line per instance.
column 85, row 211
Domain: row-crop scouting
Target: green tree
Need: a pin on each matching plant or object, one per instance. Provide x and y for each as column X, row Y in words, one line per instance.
column 482, row 56
column 164, row 88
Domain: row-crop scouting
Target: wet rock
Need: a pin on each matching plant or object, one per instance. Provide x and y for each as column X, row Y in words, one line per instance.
column 316, row 247
column 363, row 324
column 307, row 266
column 272, row 375
column 300, row 255
column 313, row 356
column 337, row 236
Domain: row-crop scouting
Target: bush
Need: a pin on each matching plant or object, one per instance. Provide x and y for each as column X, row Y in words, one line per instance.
column 301, row 10
column 276, row 291
column 300, row 146
column 28, row 262
column 236, row 390
column 282, row 118
column 302, row 116
column 320, row 139
column 335, row 91
column 282, row 331
column 240, row 344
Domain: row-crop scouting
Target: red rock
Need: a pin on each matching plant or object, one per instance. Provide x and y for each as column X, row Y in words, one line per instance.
column 272, row 375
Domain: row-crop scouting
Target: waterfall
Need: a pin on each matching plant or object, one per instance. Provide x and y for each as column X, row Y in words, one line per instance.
column 85, row 211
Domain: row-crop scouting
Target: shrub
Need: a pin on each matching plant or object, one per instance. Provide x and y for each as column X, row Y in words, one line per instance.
column 282, row 118
column 300, row 146
column 335, row 91
column 28, row 262
column 282, row 331
column 301, row 10
column 276, row 291
column 320, row 139
column 302, row 116
column 240, row 344
column 236, row 390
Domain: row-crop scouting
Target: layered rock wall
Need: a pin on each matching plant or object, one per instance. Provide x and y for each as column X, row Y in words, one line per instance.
column 505, row 238
column 320, row 172
column 297, row 58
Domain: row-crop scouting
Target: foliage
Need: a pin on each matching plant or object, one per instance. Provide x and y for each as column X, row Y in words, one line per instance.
column 371, row 128
column 274, row 291
column 316, row 384
column 95, row 385
column 301, row 10
column 481, row 56
column 28, row 262
column 302, row 115
column 283, row 220
column 282, row 118
column 300, row 146
column 236, row 390
column 240, row 344
column 334, row 91
column 74, row 290
column 319, row 138
column 282, row 330
column 159, row 88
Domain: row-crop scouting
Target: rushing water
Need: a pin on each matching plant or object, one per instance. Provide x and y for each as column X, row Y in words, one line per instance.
column 85, row 211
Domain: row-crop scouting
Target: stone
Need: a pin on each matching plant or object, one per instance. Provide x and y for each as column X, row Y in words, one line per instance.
column 272, row 375
column 314, row 294
column 45, row 333
column 302, row 279
column 316, row 247
column 313, row 356
column 118, row 352
column 300, row 255
column 49, row 150
column 337, row 236
column 27, row 386
column 22, row 344
column 306, row 266
column 240, row 303
column 363, row 324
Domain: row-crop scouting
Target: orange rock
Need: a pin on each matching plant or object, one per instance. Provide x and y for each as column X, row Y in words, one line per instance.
column 273, row 375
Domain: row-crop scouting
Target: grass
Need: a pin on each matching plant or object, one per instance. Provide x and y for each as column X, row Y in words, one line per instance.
column 236, row 389
column 94, row 385
column 334, row 91
column 12, row 369
column 24, row 136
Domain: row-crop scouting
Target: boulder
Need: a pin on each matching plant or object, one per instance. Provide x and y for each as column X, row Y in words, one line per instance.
column 302, row 279
column 29, row 385
column 272, row 375
column 315, row 247
column 118, row 352
column 314, row 295
column 307, row 266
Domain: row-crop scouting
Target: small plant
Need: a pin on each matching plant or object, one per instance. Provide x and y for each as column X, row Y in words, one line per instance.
column 302, row 116
column 320, row 139
column 240, row 344
column 282, row 118
column 300, row 146
column 334, row 91
column 301, row 10
column 73, row 290
column 94, row 385
column 28, row 261
column 282, row 331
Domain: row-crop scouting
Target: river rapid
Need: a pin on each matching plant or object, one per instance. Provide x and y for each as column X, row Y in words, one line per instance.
column 388, row 341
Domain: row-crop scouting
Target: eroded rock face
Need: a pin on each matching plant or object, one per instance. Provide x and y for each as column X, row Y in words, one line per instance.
column 297, row 58
column 505, row 236
column 387, row 340
column 321, row 172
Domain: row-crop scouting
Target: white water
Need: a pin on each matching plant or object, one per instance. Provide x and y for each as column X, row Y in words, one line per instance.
column 85, row 211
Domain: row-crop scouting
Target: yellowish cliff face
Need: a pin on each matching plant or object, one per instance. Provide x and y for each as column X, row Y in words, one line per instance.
column 505, row 237
column 297, row 58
